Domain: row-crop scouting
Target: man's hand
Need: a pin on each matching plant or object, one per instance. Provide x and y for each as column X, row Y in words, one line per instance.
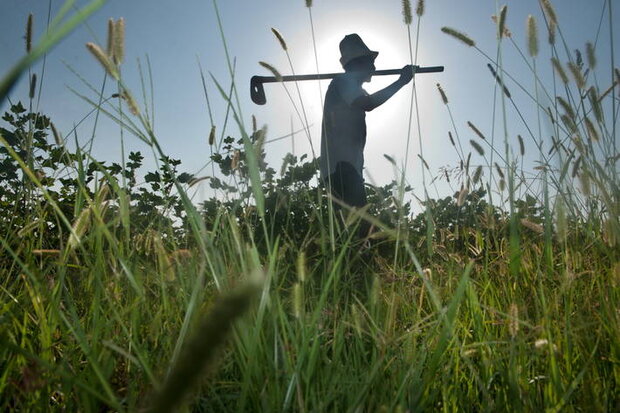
column 406, row 74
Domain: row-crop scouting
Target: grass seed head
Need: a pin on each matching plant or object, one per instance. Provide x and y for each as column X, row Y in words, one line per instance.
column 308, row 3
column 502, row 21
column 521, row 145
column 477, row 147
column 506, row 32
column 592, row 132
column 444, row 98
column 33, row 86
column 297, row 300
column 460, row 200
column 549, row 11
column 119, row 41
column 110, row 49
column 476, row 130
column 301, row 267
column 57, row 136
column 568, row 109
column 451, row 139
column 458, row 35
column 502, row 185
column 212, row 135
column 595, row 103
column 103, row 59
column 407, row 16
column 559, row 70
column 537, row 228
column 532, row 36
column 577, row 75
column 29, row 23
column 513, row 322
column 419, row 11
column 272, row 69
column 280, row 38
column 590, row 52
column 131, row 103
column 499, row 171
column 234, row 164
column 477, row 174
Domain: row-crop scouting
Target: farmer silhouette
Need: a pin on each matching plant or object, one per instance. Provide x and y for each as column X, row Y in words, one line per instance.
column 344, row 120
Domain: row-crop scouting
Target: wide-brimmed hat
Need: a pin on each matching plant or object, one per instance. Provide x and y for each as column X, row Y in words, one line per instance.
column 352, row 47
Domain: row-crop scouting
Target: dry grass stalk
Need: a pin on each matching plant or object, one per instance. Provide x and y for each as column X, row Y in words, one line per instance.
column 477, row 147
column 476, row 130
column 407, row 17
column 532, row 36
column 46, row 252
column 537, row 228
column 577, row 75
column 272, row 69
column 280, row 38
column 521, row 145
column 458, row 35
column 194, row 181
column 419, row 11
column 212, row 135
column 29, row 24
column 559, row 70
column 103, row 59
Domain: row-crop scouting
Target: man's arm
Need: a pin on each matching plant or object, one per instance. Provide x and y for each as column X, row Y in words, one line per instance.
column 369, row 102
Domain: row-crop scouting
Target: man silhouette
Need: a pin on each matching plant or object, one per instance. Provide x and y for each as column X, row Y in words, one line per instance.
column 344, row 120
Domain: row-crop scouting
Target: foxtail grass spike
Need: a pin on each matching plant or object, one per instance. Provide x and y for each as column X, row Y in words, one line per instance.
column 577, row 75
column 272, row 69
column 549, row 11
column 451, row 139
column 419, row 11
column 537, row 228
column 308, row 3
column 198, row 356
column 33, row 85
column 477, row 147
column 513, row 322
column 110, row 49
column 280, row 38
column 502, row 21
column 407, row 16
column 119, row 41
column 477, row 174
column 559, row 70
column 444, row 98
column 57, row 137
column 521, row 145
column 476, row 130
column 590, row 53
column 29, row 24
column 103, row 59
column 592, row 132
column 131, row 103
column 458, row 35
column 460, row 200
column 301, row 267
column 532, row 36
column 212, row 136
column 499, row 170
column 595, row 103
column 254, row 124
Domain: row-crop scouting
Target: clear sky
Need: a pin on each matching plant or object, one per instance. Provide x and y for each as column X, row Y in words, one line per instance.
column 175, row 34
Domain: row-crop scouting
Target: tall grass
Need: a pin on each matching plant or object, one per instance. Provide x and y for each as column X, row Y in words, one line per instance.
column 512, row 305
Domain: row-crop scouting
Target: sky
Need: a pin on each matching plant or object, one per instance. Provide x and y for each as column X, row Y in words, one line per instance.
column 175, row 36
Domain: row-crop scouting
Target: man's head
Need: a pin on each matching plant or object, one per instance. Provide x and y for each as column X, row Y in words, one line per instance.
column 356, row 56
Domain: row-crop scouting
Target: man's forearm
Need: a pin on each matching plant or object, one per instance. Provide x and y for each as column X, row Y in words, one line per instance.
column 378, row 98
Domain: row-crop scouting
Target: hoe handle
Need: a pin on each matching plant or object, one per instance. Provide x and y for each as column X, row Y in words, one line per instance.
column 257, row 91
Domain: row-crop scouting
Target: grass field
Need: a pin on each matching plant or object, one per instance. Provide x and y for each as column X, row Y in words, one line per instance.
column 123, row 295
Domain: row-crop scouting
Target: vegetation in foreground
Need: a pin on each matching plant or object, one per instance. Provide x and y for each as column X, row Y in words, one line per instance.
column 118, row 294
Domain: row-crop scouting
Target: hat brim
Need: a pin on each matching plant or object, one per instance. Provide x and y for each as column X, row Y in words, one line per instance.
column 344, row 61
